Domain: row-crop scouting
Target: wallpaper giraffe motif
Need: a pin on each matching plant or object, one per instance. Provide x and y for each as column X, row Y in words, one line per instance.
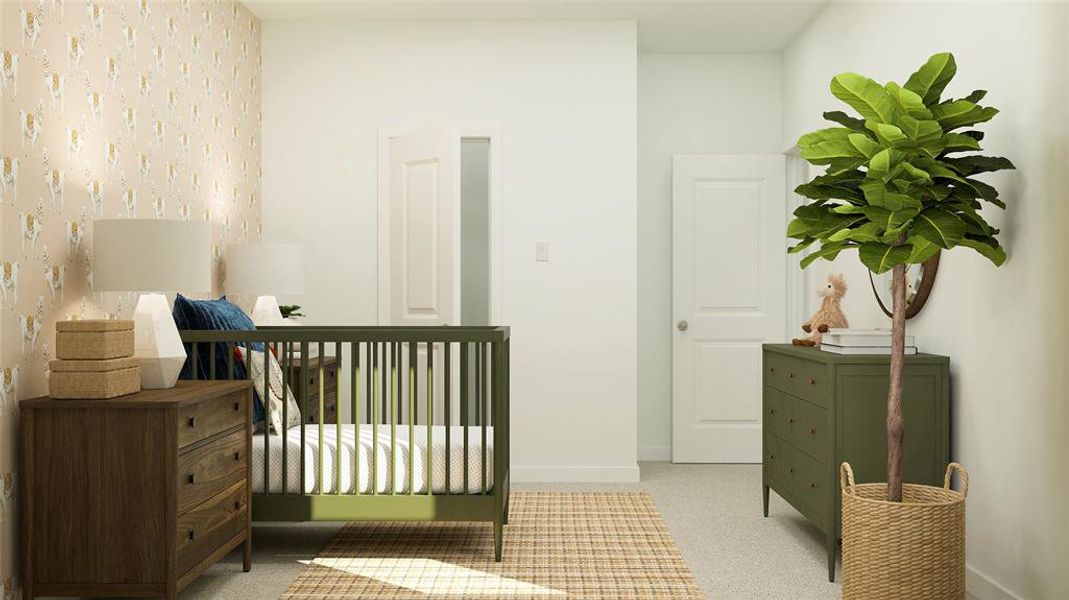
column 144, row 109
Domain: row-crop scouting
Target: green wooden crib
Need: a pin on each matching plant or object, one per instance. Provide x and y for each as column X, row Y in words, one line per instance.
column 416, row 397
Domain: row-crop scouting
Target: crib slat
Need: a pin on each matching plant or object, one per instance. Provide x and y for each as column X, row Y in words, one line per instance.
column 354, row 410
column 465, row 348
column 285, row 364
column 430, row 417
column 447, row 364
column 394, row 383
column 375, row 420
column 304, row 410
column 193, row 363
column 265, row 400
column 337, row 417
column 413, row 354
column 319, row 455
column 230, row 360
column 211, row 365
column 484, row 406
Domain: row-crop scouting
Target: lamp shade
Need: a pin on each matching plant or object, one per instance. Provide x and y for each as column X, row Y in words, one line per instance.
column 151, row 255
column 265, row 269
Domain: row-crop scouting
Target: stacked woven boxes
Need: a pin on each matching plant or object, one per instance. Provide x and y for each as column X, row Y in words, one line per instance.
column 95, row 360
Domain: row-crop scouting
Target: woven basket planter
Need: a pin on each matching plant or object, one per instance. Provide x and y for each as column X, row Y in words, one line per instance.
column 911, row 549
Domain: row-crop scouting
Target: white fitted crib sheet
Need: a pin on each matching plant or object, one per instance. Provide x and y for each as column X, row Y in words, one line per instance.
column 350, row 483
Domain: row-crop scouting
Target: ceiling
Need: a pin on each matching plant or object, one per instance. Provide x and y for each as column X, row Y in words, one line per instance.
column 663, row 25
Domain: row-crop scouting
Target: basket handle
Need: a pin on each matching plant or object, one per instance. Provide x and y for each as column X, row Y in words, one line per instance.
column 846, row 476
column 963, row 477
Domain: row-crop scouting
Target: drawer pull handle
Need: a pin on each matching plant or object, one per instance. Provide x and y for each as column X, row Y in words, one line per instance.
column 790, row 375
column 791, row 421
column 790, row 471
column 192, row 535
column 772, row 456
column 812, row 431
column 192, row 479
column 237, row 407
column 193, row 422
column 237, row 456
column 812, row 381
column 772, row 369
column 237, row 505
column 812, row 485
column 771, row 411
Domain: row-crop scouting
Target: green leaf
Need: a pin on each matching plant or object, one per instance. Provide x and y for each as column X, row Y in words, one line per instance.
column 960, row 113
column 932, row 78
column 942, row 228
column 845, row 165
column 880, row 258
column 976, row 96
column 838, row 116
column 848, row 209
column 992, row 251
column 816, row 191
column 824, row 145
column 956, row 142
column 972, row 165
column 864, row 144
column 877, row 194
column 922, row 250
column 797, row 229
column 827, row 251
column 890, row 135
column 908, row 102
column 922, row 131
column 802, row 245
column 887, row 219
column 867, row 232
column 810, row 214
column 865, row 96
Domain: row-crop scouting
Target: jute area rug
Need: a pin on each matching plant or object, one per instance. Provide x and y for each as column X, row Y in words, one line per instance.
column 557, row 545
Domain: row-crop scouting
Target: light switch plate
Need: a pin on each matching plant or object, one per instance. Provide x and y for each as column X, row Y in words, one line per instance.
column 542, row 251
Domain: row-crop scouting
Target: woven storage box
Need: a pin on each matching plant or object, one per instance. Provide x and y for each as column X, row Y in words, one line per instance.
column 94, row 379
column 911, row 549
column 94, row 339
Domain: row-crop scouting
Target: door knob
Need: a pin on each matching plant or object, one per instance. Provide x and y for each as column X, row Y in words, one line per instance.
column 682, row 325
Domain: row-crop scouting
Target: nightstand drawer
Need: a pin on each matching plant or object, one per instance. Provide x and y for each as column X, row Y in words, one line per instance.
column 210, row 469
column 207, row 527
column 202, row 420
column 330, row 408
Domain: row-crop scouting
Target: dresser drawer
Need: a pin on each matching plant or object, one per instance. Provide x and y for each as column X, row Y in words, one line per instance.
column 775, row 414
column 772, row 456
column 202, row 420
column 808, row 425
column 779, row 372
column 210, row 469
column 210, row 525
column 803, row 477
column 809, row 380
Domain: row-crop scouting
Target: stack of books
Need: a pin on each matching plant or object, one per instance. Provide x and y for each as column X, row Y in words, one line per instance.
column 862, row 341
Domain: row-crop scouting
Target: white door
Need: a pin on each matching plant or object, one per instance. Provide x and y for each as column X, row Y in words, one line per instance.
column 729, row 262
column 423, row 245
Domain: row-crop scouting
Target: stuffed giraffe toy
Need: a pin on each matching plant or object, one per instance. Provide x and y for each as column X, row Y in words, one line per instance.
column 829, row 315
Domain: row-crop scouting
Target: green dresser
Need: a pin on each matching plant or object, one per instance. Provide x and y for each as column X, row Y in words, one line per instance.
column 821, row 409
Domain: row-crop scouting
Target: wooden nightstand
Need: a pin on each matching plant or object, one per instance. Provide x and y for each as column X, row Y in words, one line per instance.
column 330, row 387
column 136, row 495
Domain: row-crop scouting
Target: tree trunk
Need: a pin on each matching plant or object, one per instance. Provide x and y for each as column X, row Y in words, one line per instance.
column 896, row 425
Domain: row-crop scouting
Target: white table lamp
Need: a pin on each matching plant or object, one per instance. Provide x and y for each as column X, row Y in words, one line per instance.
column 154, row 256
column 264, row 270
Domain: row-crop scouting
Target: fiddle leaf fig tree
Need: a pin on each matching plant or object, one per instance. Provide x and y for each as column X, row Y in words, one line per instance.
column 899, row 187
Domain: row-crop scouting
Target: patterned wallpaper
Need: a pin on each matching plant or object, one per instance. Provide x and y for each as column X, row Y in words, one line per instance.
column 147, row 109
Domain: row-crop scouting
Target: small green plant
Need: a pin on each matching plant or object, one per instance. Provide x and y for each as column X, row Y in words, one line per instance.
column 290, row 310
column 898, row 189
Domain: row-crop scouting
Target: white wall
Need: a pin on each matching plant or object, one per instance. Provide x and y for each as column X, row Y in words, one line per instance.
column 1005, row 328
column 564, row 97
column 687, row 104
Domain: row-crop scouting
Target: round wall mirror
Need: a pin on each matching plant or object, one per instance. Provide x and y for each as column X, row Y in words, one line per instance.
column 919, row 281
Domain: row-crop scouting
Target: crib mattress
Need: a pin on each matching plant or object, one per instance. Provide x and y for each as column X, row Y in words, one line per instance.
column 356, row 460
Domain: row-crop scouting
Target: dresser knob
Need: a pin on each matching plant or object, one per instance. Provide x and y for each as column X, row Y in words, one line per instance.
column 790, row 375
column 772, row 456
column 237, row 407
column 812, row 381
column 193, row 422
column 237, row 505
column 791, row 421
column 237, row 456
column 812, row 485
column 772, row 369
column 192, row 535
column 192, row 479
column 790, row 471
column 812, row 431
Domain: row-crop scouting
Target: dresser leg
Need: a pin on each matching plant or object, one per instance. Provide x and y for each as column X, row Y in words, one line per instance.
column 764, row 491
column 833, row 547
column 246, row 554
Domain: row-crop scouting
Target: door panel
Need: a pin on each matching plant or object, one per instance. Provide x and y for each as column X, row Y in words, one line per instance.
column 729, row 270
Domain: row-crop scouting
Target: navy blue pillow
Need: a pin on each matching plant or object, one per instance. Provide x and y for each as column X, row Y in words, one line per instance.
column 215, row 315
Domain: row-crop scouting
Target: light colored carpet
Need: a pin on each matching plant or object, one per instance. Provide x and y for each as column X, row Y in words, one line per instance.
column 558, row 544
column 713, row 512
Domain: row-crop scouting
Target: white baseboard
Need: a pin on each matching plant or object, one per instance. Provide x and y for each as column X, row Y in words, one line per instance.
column 574, row 474
column 983, row 587
column 655, row 453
